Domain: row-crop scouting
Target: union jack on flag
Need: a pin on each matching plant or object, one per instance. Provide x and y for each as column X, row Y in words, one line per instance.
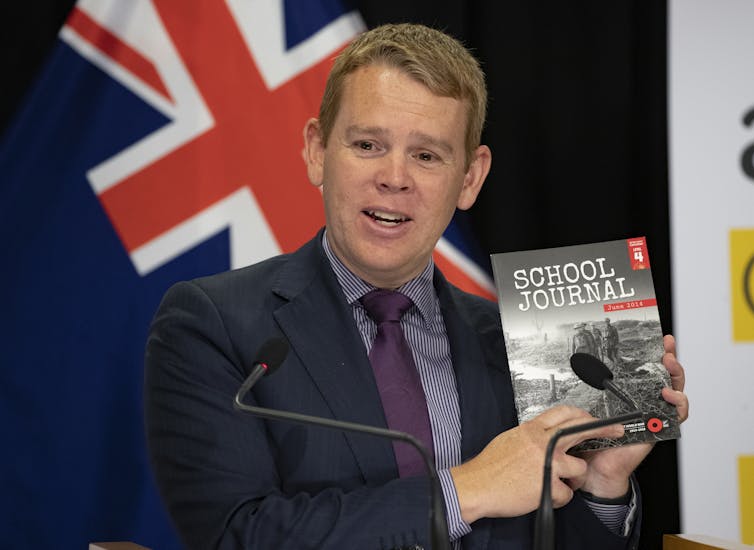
column 161, row 142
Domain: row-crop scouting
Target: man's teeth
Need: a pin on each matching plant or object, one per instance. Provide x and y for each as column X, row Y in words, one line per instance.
column 386, row 217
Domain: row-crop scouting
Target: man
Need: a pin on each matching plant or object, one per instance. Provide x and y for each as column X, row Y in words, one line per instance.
column 395, row 151
column 597, row 336
column 583, row 341
column 611, row 342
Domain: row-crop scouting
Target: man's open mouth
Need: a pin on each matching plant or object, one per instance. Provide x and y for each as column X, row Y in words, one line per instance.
column 386, row 217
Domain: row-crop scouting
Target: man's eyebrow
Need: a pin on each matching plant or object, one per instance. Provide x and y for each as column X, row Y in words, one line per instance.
column 356, row 130
column 429, row 140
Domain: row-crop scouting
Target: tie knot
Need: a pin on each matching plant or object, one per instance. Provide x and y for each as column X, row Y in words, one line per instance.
column 385, row 305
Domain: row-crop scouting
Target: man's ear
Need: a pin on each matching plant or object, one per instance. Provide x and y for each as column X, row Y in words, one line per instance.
column 314, row 152
column 475, row 176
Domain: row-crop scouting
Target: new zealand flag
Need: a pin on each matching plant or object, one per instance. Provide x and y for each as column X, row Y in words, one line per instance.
column 161, row 142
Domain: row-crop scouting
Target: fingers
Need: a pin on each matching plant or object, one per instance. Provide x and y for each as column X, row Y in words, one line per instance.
column 677, row 374
column 567, row 466
column 561, row 493
column 564, row 416
column 505, row 479
column 568, row 473
column 555, row 417
column 680, row 400
column 668, row 342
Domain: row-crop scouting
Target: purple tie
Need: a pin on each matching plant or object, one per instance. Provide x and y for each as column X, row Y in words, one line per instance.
column 398, row 380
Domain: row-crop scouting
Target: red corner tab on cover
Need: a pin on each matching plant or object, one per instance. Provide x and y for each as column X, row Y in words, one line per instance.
column 637, row 253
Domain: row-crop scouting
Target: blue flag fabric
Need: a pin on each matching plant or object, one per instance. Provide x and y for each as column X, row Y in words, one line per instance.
column 75, row 468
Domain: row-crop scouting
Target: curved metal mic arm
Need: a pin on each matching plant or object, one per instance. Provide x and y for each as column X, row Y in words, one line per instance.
column 438, row 526
column 544, row 526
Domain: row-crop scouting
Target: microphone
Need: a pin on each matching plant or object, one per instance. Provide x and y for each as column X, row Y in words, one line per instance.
column 595, row 373
column 270, row 356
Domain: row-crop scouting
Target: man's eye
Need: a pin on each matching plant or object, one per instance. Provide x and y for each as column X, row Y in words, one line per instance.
column 365, row 145
column 426, row 157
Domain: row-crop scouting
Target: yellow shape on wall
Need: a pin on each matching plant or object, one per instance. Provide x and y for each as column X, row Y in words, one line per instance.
column 742, row 283
column 746, row 496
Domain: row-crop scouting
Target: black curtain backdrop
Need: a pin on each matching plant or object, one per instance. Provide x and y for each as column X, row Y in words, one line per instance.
column 577, row 125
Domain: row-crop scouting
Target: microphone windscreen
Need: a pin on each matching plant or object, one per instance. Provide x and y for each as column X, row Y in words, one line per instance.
column 272, row 353
column 591, row 370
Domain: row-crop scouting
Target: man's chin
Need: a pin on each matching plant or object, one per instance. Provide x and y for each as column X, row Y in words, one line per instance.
column 389, row 273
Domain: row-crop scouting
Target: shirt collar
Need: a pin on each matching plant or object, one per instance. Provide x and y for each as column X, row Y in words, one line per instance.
column 420, row 289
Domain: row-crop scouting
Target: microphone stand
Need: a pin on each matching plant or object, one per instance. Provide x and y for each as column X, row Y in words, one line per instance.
column 438, row 526
column 544, row 526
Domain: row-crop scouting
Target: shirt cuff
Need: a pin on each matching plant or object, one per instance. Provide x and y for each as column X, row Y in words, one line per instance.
column 619, row 518
column 456, row 526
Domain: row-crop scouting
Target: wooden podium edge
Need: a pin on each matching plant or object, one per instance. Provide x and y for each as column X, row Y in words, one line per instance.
column 700, row 542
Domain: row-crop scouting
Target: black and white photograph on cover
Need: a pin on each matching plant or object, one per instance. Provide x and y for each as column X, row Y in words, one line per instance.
column 591, row 307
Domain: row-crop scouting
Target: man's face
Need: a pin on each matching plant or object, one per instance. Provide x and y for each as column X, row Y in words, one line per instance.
column 392, row 174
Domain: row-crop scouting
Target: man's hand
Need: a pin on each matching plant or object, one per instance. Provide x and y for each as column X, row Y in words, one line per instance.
column 505, row 479
column 608, row 471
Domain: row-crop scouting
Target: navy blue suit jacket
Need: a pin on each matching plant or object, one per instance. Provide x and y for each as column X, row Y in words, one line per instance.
column 230, row 480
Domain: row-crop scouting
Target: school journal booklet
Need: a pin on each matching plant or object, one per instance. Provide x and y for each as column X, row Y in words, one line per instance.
column 587, row 306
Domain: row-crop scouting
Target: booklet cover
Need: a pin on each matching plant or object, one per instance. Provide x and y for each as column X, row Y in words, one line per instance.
column 596, row 299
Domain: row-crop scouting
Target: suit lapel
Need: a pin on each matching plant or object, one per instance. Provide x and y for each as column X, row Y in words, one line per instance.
column 322, row 332
column 481, row 420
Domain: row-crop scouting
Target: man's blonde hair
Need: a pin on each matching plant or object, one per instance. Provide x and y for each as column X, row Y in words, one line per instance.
column 433, row 58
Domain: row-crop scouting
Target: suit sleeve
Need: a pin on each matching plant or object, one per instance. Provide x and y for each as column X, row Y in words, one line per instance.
column 217, row 468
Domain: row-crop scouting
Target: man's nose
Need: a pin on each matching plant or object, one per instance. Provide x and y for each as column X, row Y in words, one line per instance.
column 394, row 174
